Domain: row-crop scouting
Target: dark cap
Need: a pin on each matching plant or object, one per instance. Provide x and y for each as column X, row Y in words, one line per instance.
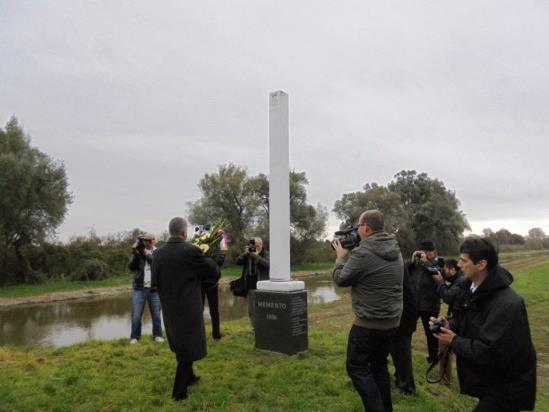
column 427, row 245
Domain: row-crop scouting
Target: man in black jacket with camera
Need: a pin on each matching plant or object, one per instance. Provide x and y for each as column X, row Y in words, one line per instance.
column 423, row 265
column 490, row 334
column 448, row 286
column 144, row 288
column 255, row 262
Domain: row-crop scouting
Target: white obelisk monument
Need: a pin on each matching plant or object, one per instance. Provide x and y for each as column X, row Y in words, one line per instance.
column 280, row 304
column 279, row 197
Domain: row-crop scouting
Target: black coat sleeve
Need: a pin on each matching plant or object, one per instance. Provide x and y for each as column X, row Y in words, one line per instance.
column 133, row 264
column 448, row 293
column 206, row 268
column 263, row 262
column 242, row 259
column 219, row 258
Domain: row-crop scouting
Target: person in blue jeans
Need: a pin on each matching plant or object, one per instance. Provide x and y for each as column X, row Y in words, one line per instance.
column 144, row 289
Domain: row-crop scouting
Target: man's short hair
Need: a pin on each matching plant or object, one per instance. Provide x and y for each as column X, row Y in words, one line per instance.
column 373, row 218
column 479, row 248
column 451, row 264
column 177, row 225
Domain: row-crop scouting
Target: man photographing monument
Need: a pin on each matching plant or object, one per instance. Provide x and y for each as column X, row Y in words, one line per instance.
column 374, row 271
column 490, row 334
column 180, row 269
column 255, row 262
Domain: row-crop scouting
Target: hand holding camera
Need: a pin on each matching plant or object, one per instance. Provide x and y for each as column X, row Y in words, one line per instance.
column 440, row 329
column 419, row 255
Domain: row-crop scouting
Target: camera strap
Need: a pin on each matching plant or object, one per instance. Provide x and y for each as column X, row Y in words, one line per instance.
column 445, row 356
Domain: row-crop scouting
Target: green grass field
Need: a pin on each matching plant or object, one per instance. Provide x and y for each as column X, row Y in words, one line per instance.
column 113, row 376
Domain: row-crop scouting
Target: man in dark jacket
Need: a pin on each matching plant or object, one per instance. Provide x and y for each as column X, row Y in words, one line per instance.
column 144, row 289
column 255, row 267
column 490, row 334
column 448, row 287
column 427, row 300
column 374, row 270
column 448, row 283
column 179, row 269
column 401, row 343
column 212, row 294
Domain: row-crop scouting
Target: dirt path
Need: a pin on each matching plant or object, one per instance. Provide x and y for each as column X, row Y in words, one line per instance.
column 103, row 291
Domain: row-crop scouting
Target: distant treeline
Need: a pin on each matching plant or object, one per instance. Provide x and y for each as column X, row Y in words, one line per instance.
column 34, row 199
column 507, row 241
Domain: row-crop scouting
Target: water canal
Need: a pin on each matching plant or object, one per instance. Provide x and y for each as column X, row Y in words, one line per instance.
column 69, row 322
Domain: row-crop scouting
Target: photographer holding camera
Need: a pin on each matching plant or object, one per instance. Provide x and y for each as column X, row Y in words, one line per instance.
column 374, row 271
column 255, row 262
column 490, row 334
column 144, row 288
column 423, row 266
column 448, row 287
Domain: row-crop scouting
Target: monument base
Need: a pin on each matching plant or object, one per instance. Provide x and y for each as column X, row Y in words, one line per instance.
column 281, row 285
column 281, row 321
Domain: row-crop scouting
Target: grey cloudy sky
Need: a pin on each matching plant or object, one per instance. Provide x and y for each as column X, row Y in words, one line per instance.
column 141, row 98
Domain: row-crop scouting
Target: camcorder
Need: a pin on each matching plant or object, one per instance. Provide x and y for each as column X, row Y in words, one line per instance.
column 348, row 238
column 251, row 246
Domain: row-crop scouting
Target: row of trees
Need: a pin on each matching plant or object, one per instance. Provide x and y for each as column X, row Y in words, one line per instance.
column 504, row 239
column 34, row 199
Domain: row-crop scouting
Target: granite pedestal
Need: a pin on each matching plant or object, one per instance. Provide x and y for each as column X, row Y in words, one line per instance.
column 281, row 321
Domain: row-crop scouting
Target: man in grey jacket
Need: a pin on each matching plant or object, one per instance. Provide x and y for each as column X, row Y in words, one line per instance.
column 374, row 271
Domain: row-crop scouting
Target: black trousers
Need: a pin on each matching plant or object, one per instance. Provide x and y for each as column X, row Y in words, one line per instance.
column 401, row 353
column 213, row 304
column 492, row 404
column 432, row 342
column 367, row 351
column 183, row 376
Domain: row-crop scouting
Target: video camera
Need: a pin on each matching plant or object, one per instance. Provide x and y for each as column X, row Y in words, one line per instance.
column 348, row 238
column 251, row 246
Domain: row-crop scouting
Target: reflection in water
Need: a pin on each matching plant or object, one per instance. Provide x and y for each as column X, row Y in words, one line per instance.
column 69, row 322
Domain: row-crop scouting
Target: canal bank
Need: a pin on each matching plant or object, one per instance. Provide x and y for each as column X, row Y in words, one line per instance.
column 107, row 315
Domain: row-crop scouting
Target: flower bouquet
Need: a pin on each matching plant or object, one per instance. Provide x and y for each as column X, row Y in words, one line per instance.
column 208, row 239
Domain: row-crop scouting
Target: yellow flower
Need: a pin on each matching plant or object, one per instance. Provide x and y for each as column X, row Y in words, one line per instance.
column 204, row 248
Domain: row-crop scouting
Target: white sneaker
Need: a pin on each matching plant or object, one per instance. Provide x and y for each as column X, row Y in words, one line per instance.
column 159, row 339
column 133, row 341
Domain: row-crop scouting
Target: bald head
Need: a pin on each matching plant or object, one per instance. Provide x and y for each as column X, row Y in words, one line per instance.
column 372, row 218
column 178, row 227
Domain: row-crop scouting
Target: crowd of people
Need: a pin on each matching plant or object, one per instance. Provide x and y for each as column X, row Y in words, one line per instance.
column 486, row 327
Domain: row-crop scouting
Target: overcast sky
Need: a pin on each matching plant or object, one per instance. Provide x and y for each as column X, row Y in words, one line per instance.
column 140, row 99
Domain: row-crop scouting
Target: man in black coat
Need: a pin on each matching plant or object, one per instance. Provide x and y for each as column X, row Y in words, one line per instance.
column 449, row 287
column 179, row 269
column 490, row 334
column 423, row 285
column 255, row 262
